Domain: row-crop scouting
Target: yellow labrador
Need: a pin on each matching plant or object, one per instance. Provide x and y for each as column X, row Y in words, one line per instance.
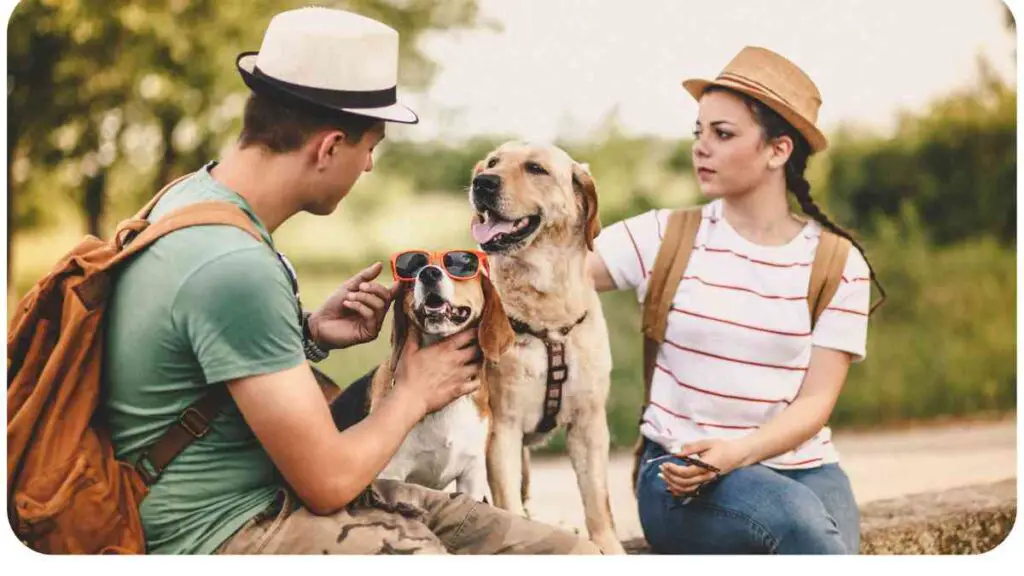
column 536, row 219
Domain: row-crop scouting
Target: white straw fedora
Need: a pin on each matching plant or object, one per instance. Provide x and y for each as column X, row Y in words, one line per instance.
column 777, row 83
column 327, row 60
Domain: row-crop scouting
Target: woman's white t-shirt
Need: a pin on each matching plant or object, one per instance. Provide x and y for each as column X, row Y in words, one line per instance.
column 738, row 339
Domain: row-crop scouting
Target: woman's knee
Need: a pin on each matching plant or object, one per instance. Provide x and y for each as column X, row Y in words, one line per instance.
column 803, row 526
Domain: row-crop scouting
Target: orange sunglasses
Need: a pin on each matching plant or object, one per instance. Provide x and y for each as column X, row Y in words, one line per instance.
column 457, row 264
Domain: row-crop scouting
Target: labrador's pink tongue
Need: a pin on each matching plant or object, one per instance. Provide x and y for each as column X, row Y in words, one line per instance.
column 483, row 232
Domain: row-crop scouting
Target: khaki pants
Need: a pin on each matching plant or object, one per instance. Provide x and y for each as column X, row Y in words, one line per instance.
column 400, row 518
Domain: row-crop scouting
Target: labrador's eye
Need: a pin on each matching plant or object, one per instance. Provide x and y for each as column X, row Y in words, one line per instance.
column 534, row 168
column 492, row 162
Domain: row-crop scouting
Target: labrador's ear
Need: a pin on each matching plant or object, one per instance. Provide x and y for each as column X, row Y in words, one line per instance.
column 475, row 218
column 400, row 326
column 494, row 331
column 583, row 182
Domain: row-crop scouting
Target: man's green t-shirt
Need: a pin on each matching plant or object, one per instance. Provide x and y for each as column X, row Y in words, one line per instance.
column 199, row 307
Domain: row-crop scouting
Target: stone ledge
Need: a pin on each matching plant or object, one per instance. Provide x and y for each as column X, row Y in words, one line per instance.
column 969, row 520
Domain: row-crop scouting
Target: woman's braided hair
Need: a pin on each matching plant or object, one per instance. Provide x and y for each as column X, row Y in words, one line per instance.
column 775, row 126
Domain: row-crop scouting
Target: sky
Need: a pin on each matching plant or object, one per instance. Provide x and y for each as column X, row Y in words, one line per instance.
column 559, row 67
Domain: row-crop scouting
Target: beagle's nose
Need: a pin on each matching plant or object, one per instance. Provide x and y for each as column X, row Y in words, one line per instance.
column 487, row 184
column 430, row 276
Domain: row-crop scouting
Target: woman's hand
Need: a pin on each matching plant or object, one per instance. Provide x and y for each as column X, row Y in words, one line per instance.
column 725, row 455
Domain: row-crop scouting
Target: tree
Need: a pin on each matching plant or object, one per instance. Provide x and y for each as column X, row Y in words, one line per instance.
column 955, row 165
column 140, row 91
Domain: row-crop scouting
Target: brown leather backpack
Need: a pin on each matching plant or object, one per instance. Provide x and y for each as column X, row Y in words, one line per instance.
column 67, row 493
column 669, row 265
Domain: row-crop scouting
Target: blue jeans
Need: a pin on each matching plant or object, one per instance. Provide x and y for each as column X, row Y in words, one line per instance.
column 751, row 510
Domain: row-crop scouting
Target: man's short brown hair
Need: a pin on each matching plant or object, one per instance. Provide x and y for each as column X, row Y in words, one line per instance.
column 281, row 128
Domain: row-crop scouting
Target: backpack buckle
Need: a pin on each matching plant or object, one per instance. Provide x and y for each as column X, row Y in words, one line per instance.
column 148, row 478
column 194, row 423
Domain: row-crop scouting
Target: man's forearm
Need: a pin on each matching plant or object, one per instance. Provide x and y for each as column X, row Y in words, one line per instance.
column 370, row 444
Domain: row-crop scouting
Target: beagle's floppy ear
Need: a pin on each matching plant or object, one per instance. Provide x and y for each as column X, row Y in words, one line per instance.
column 583, row 182
column 494, row 331
column 400, row 327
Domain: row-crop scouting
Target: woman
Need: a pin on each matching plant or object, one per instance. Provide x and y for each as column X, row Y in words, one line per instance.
column 741, row 381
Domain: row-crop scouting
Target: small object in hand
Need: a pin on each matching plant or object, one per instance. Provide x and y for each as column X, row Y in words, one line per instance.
column 688, row 460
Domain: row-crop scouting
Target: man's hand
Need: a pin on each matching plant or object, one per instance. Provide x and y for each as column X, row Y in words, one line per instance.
column 438, row 374
column 354, row 313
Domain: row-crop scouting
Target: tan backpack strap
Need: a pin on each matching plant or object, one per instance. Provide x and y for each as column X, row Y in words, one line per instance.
column 669, row 265
column 826, row 272
column 139, row 234
column 193, row 423
column 144, row 212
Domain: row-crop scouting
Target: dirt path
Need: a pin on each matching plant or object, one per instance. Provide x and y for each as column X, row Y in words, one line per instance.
column 881, row 465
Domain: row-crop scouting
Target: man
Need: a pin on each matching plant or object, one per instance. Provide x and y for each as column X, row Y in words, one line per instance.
column 211, row 306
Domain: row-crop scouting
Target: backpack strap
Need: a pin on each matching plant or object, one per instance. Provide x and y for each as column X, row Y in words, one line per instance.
column 133, row 236
column 669, row 265
column 145, row 211
column 826, row 272
column 193, row 423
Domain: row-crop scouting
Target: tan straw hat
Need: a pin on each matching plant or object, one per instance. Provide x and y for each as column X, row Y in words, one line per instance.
column 775, row 82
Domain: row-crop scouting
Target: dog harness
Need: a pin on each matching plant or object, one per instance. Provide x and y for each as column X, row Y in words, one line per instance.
column 558, row 370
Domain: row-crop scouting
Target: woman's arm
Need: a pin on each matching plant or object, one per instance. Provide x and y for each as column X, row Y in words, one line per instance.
column 808, row 413
column 599, row 273
column 796, row 424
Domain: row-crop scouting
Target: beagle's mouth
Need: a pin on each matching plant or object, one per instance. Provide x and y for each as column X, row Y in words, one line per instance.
column 436, row 309
column 496, row 233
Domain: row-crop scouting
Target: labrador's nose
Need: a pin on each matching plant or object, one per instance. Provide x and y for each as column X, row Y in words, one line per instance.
column 486, row 185
column 430, row 276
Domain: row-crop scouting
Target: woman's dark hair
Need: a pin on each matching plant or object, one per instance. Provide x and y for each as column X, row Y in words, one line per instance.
column 774, row 126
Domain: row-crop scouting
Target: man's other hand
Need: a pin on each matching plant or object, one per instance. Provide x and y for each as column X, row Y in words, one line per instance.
column 354, row 313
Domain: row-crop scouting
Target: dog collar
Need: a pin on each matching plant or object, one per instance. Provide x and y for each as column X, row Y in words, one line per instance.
column 520, row 327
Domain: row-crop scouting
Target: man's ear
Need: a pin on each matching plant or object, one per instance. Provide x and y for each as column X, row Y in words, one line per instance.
column 584, row 184
column 329, row 145
column 494, row 332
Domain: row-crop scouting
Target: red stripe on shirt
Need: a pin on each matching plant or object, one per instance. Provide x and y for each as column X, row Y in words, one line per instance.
column 800, row 463
column 731, row 323
column 857, row 279
column 737, row 360
column 741, row 289
column 707, row 424
column 643, row 269
column 719, row 394
column 847, row 310
column 658, row 220
column 755, row 261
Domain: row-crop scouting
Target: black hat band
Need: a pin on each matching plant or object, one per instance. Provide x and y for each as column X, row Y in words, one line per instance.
column 336, row 98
